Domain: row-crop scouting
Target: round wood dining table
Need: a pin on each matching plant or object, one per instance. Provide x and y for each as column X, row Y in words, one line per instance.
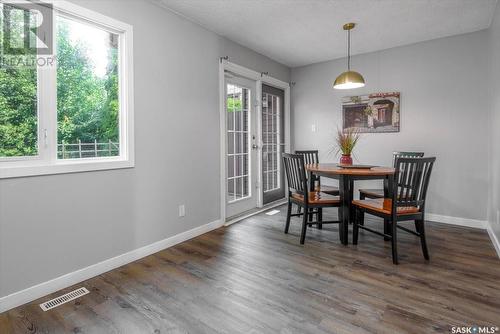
column 346, row 177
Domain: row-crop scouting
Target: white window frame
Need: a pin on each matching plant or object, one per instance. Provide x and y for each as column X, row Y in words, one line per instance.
column 46, row 161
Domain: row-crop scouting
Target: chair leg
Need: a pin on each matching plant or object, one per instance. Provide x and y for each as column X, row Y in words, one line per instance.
column 355, row 229
column 362, row 213
column 319, row 215
column 394, row 241
column 288, row 216
column 387, row 229
column 311, row 213
column 304, row 226
column 339, row 214
column 421, row 230
column 299, row 209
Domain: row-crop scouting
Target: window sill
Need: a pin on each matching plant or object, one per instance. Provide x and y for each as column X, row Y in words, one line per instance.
column 63, row 167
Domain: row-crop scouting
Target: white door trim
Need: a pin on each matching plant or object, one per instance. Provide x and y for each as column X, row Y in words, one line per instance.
column 260, row 79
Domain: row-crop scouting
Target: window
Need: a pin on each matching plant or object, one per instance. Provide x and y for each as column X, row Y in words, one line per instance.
column 271, row 142
column 71, row 110
column 238, row 155
column 18, row 94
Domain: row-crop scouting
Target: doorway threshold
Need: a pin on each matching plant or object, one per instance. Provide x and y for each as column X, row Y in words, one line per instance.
column 253, row 212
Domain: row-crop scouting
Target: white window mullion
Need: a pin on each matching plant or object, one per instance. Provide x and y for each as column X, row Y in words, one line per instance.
column 47, row 108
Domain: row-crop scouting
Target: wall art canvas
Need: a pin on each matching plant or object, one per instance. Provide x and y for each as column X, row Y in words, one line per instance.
column 372, row 113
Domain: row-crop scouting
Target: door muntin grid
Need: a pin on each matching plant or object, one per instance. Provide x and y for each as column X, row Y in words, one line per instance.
column 238, row 148
column 271, row 146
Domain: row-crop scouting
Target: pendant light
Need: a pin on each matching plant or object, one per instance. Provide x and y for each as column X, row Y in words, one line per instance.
column 349, row 79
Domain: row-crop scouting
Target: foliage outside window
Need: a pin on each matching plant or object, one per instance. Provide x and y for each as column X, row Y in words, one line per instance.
column 18, row 97
column 87, row 91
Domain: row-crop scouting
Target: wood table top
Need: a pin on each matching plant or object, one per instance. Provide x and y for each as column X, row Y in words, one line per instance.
column 334, row 169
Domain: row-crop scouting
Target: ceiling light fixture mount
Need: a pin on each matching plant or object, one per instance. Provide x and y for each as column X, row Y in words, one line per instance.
column 349, row 79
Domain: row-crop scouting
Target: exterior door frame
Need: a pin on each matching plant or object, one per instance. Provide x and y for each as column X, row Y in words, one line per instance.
column 225, row 65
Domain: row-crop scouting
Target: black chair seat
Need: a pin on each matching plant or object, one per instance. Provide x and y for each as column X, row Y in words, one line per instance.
column 328, row 190
column 317, row 198
column 384, row 206
column 371, row 193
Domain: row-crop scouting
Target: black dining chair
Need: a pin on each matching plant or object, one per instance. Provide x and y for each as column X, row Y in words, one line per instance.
column 379, row 193
column 300, row 195
column 312, row 157
column 407, row 202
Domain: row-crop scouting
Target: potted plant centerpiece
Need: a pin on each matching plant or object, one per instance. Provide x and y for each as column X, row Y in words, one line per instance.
column 346, row 140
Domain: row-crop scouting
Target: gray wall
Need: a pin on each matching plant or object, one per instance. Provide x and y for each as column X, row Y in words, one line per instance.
column 53, row 225
column 494, row 190
column 444, row 112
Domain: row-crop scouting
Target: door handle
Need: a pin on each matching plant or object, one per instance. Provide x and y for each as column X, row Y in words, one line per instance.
column 255, row 146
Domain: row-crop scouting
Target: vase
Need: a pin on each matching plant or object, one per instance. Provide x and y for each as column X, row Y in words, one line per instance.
column 346, row 159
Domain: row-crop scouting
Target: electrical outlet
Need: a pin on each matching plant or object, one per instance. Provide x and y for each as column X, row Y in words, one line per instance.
column 182, row 210
column 314, row 128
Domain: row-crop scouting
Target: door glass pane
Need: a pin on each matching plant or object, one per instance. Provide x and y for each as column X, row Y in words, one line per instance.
column 270, row 138
column 18, row 90
column 87, row 91
column 237, row 102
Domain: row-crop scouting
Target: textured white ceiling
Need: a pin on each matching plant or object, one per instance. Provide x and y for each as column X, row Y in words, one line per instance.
column 301, row 32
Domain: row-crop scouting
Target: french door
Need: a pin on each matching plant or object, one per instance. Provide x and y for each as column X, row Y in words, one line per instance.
column 273, row 143
column 241, row 145
column 255, row 139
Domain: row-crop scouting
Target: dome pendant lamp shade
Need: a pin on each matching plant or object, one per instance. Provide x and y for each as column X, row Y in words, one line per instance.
column 349, row 79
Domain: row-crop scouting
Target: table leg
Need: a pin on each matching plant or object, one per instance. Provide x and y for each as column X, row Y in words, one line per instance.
column 344, row 209
column 387, row 194
column 310, row 180
column 351, row 197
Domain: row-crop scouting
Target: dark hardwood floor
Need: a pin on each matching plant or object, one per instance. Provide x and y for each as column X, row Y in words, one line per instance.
column 252, row 278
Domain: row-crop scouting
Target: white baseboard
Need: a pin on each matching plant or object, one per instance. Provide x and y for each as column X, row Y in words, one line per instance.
column 475, row 223
column 27, row 295
column 494, row 239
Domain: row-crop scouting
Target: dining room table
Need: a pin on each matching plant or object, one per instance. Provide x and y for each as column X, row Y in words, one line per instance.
column 346, row 175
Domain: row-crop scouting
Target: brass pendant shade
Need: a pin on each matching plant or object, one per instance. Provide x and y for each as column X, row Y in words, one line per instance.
column 349, row 79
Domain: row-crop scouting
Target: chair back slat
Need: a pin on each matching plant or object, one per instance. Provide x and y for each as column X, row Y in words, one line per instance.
column 310, row 156
column 295, row 173
column 404, row 154
column 412, row 180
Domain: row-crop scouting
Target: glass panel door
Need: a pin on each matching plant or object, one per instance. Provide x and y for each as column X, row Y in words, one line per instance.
column 237, row 143
column 241, row 157
column 272, row 143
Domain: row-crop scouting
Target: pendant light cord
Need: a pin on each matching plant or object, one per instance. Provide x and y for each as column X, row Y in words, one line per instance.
column 349, row 50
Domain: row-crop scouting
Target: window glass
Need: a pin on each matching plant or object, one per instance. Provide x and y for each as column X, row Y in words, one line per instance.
column 18, row 90
column 87, row 91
